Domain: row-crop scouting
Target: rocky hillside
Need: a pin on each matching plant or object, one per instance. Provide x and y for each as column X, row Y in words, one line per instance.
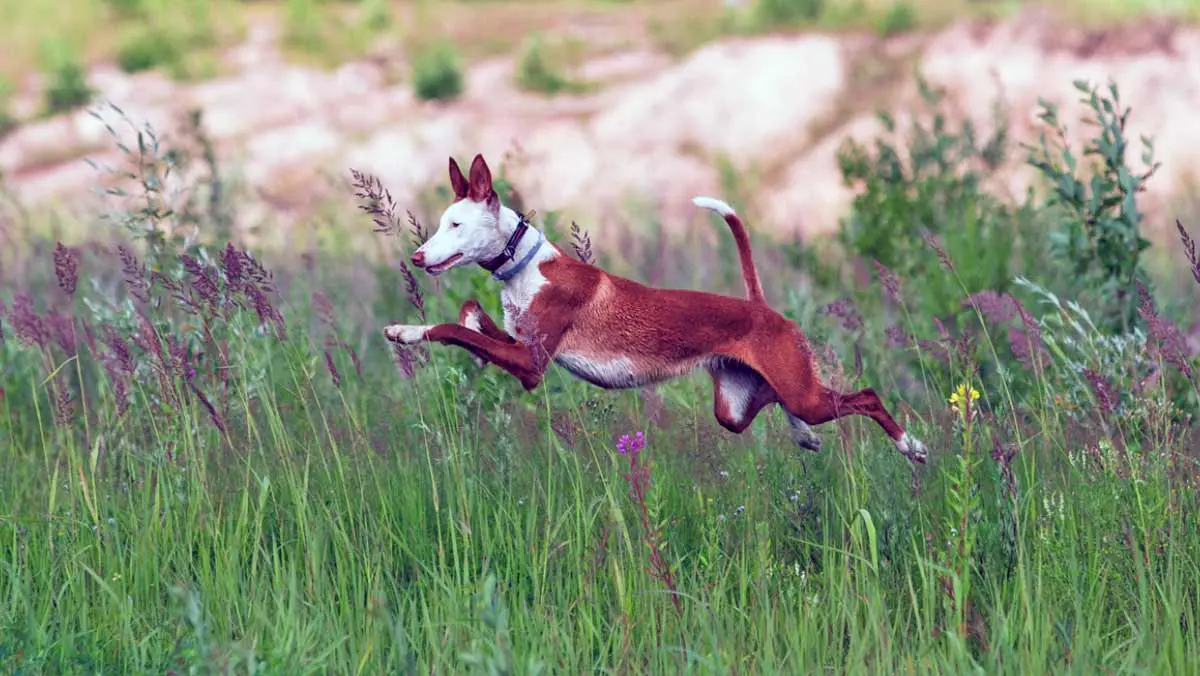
column 650, row 126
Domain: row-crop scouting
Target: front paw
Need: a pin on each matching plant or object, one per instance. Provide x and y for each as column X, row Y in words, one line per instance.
column 405, row 334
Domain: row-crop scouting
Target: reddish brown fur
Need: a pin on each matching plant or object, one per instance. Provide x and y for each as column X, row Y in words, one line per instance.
column 741, row 238
column 664, row 333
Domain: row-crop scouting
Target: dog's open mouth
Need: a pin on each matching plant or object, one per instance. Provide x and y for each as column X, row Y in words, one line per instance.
column 438, row 269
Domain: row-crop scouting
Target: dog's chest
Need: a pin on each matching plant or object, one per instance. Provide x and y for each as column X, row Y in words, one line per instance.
column 517, row 296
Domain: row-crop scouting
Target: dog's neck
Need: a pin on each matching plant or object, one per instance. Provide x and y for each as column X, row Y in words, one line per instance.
column 519, row 252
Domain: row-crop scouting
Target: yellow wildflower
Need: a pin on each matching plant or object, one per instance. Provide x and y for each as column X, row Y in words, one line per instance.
column 965, row 394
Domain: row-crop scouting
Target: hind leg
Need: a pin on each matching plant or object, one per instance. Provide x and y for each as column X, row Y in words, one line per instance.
column 739, row 394
column 808, row 402
column 823, row 405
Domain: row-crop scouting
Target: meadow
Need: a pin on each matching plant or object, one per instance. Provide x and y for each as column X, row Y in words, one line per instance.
column 214, row 463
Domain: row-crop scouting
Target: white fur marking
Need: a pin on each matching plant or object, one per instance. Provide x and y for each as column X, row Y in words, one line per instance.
column 519, row 291
column 406, row 334
column 736, row 390
column 608, row 372
column 471, row 321
column 713, row 204
column 912, row 448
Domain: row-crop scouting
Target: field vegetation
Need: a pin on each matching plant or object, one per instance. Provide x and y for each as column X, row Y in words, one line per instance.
column 214, row 463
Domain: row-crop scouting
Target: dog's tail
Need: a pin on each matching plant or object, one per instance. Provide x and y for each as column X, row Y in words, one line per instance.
column 754, row 289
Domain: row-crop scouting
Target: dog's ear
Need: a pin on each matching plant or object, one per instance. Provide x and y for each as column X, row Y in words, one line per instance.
column 458, row 181
column 481, row 181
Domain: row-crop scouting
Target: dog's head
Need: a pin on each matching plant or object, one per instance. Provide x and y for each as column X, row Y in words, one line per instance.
column 469, row 230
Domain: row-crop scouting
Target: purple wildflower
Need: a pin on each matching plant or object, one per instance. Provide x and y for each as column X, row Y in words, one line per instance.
column 935, row 243
column 1003, row 454
column 890, row 283
column 639, row 485
column 581, row 243
column 323, row 308
column 135, row 274
column 1166, row 340
column 353, row 359
column 27, row 324
column 412, row 289
column 64, row 406
column 1026, row 342
column 405, row 363
column 1189, row 250
column 843, row 309
column 1106, row 397
column 118, row 350
column 203, row 282
column 119, row 386
column 995, row 306
column 627, row 445
column 233, row 267
column 89, row 335
column 212, row 411
column 333, row 370
column 61, row 328
column 376, row 201
column 66, row 267
column 419, row 233
column 896, row 336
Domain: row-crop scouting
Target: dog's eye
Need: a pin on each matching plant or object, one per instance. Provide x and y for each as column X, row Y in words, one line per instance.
column 455, row 225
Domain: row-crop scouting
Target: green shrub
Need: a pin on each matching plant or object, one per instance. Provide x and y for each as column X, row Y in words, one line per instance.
column 8, row 121
column 437, row 74
column 302, row 25
column 901, row 17
column 148, row 49
column 538, row 70
column 1099, row 232
column 787, row 12
column 66, row 80
column 127, row 8
column 932, row 184
column 376, row 14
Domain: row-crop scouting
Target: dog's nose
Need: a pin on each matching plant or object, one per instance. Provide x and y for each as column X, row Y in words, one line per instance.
column 418, row 259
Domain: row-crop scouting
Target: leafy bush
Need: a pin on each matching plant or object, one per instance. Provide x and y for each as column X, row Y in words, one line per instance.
column 437, row 74
column 303, row 25
column 66, row 80
column 537, row 70
column 931, row 183
column 8, row 120
column 787, row 12
column 127, row 8
column 901, row 17
column 1099, row 226
column 147, row 49
column 376, row 14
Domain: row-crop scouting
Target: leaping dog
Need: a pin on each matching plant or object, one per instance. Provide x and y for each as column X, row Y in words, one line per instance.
column 616, row 333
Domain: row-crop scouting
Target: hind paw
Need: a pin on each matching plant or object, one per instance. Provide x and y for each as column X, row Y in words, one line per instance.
column 912, row 448
column 804, row 436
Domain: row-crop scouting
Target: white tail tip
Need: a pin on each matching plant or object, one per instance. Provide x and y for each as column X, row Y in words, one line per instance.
column 713, row 204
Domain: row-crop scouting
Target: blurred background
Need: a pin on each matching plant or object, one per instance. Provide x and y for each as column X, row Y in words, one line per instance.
column 589, row 103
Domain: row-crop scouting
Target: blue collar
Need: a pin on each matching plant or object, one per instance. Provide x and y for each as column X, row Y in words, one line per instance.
column 521, row 264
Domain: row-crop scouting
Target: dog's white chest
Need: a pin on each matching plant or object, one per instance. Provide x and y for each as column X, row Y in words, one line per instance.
column 518, row 294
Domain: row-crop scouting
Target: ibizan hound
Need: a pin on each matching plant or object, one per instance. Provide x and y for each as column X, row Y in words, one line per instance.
column 616, row 333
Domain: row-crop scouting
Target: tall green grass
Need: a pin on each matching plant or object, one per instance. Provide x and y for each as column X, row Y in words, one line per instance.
column 259, row 484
